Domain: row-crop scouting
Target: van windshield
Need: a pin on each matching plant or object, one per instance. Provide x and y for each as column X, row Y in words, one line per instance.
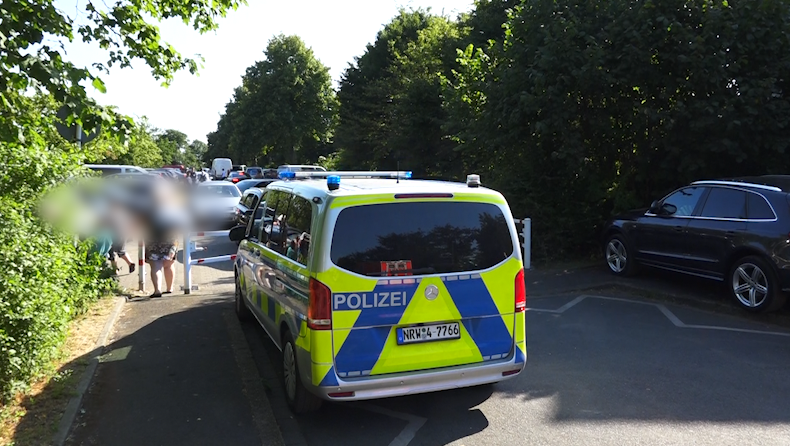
column 399, row 239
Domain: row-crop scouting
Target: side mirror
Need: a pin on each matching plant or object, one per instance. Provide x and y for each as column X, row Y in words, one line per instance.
column 654, row 207
column 238, row 233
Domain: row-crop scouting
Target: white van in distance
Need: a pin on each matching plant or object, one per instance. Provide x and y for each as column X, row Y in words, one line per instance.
column 220, row 168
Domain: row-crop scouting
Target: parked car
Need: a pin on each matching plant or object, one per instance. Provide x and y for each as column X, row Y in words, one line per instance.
column 235, row 177
column 111, row 169
column 243, row 185
column 736, row 231
column 299, row 168
column 214, row 204
column 247, row 204
column 254, row 172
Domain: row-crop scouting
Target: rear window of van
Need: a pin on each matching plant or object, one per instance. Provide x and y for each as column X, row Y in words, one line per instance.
column 414, row 238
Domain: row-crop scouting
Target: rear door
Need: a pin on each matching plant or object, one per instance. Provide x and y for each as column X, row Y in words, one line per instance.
column 421, row 285
column 719, row 228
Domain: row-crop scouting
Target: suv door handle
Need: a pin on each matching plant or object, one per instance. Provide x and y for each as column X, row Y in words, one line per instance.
column 678, row 228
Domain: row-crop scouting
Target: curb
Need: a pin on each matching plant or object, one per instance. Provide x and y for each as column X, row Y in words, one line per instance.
column 70, row 414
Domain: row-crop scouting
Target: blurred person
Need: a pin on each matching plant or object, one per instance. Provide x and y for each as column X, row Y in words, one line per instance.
column 163, row 220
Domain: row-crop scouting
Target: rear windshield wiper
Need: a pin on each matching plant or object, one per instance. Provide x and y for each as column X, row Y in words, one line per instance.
column 397, row 272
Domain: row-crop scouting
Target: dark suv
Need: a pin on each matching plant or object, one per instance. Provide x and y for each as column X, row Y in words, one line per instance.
column 736, row 231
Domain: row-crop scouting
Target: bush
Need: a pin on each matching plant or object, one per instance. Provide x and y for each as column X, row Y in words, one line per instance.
column 46, row 281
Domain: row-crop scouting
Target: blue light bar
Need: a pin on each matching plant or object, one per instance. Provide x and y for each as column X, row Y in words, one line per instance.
column 403, row 175
column 287, row 175
column 333, row 182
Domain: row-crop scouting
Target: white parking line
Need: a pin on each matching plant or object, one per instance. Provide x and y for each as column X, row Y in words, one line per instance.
column 408, row 432
column 664, row 310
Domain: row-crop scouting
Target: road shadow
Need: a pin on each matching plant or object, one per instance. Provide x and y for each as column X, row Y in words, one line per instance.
column 451, row 415
column 613, row 361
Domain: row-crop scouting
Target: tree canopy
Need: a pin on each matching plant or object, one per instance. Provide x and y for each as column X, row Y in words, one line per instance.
column 284, row 110
column 47, row 279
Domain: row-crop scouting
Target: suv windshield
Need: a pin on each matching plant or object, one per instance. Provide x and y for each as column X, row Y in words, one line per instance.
column 420, row 238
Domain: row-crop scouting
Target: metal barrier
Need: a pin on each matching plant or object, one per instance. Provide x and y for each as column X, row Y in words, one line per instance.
column 526, row 233
column 190, row 246
column 141, row 264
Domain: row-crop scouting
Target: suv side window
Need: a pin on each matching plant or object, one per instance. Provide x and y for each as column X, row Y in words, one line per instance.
column 758, row 208
column 683, row 202
column 724, row 202
column 299, row 223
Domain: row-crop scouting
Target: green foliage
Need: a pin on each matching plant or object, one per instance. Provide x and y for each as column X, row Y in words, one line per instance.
column 284, row 111
column 29, row 60
column 575, row 109
column 391, row 104
column 46, row 280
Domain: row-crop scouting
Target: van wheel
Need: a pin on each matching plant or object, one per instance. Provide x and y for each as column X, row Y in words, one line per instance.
column 242, row 310
column 299, row 399
column 618, row 255
column 753, row 284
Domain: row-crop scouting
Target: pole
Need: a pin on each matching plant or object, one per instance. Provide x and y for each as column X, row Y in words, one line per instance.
column 187, row 264
column 79, row 137
column 526, row 231
column 141, row 265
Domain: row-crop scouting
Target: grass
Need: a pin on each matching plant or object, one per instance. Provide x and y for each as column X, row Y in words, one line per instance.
column 32, row 417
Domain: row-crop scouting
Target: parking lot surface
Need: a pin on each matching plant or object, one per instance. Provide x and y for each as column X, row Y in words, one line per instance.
column 601, row 370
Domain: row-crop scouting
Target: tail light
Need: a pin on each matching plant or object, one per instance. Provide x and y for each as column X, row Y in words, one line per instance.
column 319, row 310
column 521, row 292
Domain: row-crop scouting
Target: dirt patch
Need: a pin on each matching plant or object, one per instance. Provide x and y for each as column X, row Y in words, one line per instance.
column 32, row 418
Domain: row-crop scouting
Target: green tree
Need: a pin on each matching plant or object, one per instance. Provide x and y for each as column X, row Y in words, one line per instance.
column 173, row 144
column 29, row 60
column 586, row 107
column 391, row 103
column 39, row 294
column 284, row 111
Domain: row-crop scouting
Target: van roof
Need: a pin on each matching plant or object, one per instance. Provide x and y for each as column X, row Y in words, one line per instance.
column 311, row 188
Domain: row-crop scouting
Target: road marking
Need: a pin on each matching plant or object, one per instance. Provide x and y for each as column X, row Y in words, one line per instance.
column 663, row 309
column 408, row 432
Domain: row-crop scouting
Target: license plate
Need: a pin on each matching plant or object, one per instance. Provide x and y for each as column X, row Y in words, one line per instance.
column 426, row 333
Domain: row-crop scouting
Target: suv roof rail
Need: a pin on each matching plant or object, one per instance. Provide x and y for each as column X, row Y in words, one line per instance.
column 738, row 183
column 402, row 175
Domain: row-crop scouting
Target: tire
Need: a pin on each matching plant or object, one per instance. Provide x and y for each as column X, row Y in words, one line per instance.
column 240, row 305
column 299, row 399
column 617, row 254
column 754, row 286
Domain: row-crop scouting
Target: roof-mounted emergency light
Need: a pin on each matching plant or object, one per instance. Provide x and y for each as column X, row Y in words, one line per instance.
column 473, row 180
column 287, row 175
column 403, row 175
column 333, row 182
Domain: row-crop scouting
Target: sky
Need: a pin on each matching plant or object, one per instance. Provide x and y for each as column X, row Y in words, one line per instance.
column 336, row 30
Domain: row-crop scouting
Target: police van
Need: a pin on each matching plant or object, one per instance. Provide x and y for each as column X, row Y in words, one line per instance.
column 375, row 285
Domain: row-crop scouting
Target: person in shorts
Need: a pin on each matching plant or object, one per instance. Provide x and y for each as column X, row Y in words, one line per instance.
column 118, row 251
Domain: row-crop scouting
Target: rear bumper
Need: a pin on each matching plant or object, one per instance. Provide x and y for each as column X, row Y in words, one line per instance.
column 423, row 382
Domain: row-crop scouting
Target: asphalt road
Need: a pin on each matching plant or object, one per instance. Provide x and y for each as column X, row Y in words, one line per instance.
column 601, row 370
